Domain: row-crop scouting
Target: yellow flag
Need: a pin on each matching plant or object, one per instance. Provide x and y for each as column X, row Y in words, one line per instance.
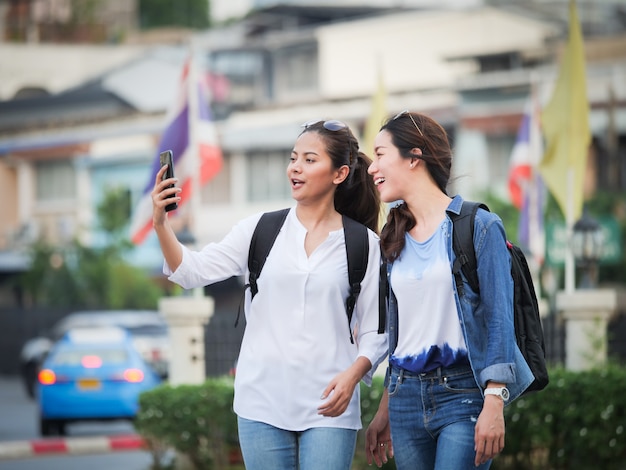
column 565, row 122
column 377, row 116
column 376, row 119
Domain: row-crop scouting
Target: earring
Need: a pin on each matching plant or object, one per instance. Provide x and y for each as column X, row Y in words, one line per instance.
column 411, row 165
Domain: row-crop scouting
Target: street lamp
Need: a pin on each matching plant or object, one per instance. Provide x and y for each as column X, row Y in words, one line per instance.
column 587, row 245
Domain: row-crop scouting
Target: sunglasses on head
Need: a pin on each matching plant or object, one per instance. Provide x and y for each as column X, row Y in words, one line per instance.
column 332, row 125
column 406, row 111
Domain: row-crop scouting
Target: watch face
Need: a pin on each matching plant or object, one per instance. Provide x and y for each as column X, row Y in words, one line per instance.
column 499, row 392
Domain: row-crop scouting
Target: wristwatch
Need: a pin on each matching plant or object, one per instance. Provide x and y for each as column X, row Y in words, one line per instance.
column 501, row 392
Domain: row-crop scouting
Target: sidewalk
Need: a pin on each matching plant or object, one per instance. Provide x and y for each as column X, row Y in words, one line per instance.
column 19, row 437
column 69, row 446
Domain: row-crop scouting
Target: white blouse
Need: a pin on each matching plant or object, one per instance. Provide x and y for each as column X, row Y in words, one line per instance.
column 297, row 338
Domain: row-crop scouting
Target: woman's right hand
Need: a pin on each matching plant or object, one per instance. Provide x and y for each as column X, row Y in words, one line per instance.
column 160, row 196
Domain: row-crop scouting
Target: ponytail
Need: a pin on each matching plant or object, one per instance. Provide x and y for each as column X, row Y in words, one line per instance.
column 357, row 196
column 399, row 221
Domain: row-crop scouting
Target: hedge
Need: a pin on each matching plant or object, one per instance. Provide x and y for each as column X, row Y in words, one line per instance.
column 195, row 420
column 577, row 422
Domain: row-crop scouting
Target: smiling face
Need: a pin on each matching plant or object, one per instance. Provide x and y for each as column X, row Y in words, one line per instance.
column 390, row 170
column 310, row 170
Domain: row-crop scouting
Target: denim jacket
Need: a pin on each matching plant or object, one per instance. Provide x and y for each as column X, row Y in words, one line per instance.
column 486, row 319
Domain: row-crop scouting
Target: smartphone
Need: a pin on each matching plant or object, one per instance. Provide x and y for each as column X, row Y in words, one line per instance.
column 166, row 158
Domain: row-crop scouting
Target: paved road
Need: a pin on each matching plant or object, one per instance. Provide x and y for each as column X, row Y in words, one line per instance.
column 19, row 427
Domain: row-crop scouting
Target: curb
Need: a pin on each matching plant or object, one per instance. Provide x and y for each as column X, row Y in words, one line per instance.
column 70, row 446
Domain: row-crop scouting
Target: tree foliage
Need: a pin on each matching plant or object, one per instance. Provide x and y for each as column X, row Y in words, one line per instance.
column 601, row 204
column 79, row 276
column 182, row 13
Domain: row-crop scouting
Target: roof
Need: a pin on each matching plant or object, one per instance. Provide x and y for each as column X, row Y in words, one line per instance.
column 88, row 103
column 143, row 86
column 603, row 18
column 285, row 16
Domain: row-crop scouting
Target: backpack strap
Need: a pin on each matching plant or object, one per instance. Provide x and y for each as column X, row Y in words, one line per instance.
column 263, row 238
column 357, row 252
column 383, row 295
column 463, row 245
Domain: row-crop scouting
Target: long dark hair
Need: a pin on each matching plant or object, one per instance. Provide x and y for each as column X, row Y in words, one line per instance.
column 356, row 197
column 409, row 131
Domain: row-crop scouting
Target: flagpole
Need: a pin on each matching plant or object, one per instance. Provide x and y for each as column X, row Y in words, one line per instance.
column 535, row 227
column 570, row 271
column 195, row 200
column 192, row 100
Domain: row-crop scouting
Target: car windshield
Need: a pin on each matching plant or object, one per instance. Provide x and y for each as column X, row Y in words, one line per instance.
column 74, row 357
column 147, row 330
column 128, row 320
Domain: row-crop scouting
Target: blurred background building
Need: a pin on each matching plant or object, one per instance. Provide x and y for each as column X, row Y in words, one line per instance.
column 85, row 88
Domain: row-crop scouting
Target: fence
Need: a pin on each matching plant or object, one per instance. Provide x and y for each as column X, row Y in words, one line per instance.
column 222, row 339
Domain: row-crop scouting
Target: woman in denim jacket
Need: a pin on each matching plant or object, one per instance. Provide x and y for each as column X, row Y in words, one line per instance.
column 453, row 359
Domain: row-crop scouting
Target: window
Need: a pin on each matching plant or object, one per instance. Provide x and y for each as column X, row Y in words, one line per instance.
column 56, row 181
column 75, row 357
column 238, row 80
column 497, row 62
column 267, row 177
column 296, row 70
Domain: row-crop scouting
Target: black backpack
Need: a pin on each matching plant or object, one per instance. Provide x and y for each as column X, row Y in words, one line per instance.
column 357, row 251
column 528, row 329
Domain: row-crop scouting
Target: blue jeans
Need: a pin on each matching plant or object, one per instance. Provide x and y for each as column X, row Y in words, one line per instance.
column 267, row 447
column 432, row 418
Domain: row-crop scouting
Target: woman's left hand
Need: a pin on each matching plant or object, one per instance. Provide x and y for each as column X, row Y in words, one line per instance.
column 489, row 431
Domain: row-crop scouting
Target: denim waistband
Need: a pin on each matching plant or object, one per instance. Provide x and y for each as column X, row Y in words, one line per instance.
column 438, row 373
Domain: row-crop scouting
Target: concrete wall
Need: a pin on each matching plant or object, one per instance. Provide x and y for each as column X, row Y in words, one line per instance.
column 414, row 50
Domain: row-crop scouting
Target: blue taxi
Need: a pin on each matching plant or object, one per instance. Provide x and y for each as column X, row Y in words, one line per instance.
column 91, row 374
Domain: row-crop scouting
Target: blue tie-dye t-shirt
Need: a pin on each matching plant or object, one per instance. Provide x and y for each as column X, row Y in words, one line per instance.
column 429, row 332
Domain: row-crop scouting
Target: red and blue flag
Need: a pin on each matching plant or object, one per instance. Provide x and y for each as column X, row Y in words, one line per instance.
column 191, row 135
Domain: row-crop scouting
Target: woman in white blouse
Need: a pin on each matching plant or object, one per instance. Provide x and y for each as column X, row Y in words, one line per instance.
column 296, row 387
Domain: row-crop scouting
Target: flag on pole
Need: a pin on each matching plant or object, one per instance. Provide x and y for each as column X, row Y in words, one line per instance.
column 526, row 154
column 196, row 151
column 531, row 233
column 526, row 186
column 565, row 122
column 377, row 116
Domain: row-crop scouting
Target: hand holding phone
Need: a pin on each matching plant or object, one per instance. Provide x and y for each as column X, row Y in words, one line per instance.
column 166, row 158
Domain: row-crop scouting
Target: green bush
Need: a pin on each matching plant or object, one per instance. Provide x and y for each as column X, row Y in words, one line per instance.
column 577, row 422
column 196, row 420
